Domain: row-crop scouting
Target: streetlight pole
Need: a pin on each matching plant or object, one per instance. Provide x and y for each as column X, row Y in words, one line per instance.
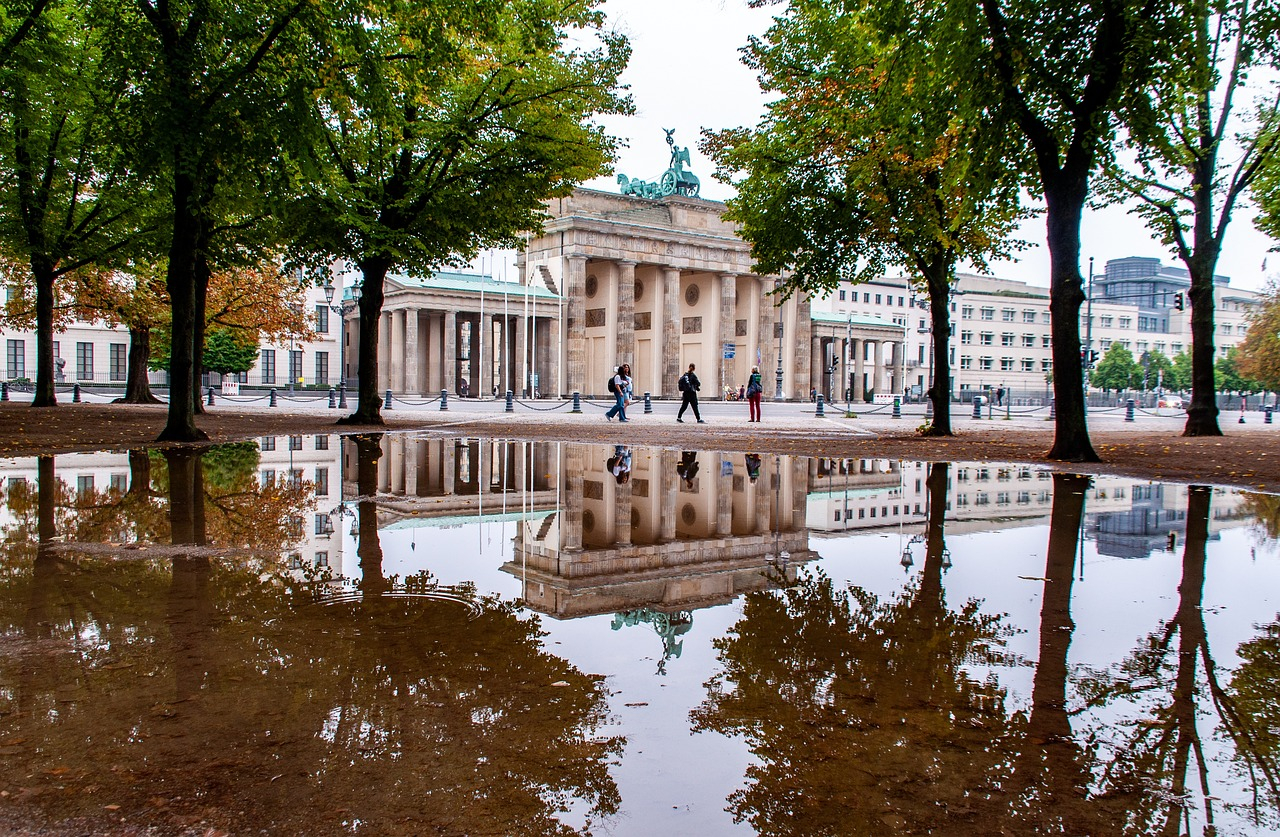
column 848, row 350
column 777, row 393
column 342, row 308
column 1087, row 360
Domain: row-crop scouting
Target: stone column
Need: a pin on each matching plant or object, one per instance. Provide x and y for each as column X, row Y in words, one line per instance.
column 802, row 330
column 384, row 465
column 727, row 333
column 576, row 348
column 626, row 343
column 483, row 352
column 766, row 337
column 859, row 386
column 551, row 346
column 396, row 381
column 395, row 455
column 877, row 352
column 384, row 351
column 668, row 480
column 413, row 350
column 450, row 355
column 571, row 522
column 818, row 365
column 521, row 382
column 724, row 498
column 412, row 453
column 622, row 514
column 448, row 458
column 671, row 370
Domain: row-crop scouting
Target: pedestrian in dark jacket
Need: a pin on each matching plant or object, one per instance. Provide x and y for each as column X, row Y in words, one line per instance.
column 689, row 386
column 755, row 386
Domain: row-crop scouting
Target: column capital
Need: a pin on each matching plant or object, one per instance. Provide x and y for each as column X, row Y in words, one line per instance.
column 576, row 257
column 630, row 262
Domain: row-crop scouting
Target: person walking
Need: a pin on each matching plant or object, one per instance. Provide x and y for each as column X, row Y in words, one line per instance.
column 621, row 385
column 687, row 467
column 689, row 386
column 755, row 386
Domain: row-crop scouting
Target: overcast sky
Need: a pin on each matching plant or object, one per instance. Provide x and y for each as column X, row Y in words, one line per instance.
column 686, row 74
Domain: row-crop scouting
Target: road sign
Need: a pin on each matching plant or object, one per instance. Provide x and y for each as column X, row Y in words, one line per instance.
column 729, row 349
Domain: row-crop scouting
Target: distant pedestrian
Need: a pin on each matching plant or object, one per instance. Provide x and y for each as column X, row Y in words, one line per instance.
column 620, row 385
column 813, row 394
column 755, row 386
column 753, row 466
column 620, row 464
column 742, row 391
column 689, row 386
column 687, row 468
column 999, row 396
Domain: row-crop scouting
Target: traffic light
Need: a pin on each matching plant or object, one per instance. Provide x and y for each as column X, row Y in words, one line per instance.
column 1093, row 358
column 1179, row 301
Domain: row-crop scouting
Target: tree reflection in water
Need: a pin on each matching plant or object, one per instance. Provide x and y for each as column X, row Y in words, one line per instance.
column 190, row 693
column 1164, row 765
column 861, row 712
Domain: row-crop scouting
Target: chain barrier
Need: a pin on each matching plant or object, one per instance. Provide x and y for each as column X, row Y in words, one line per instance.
column 409, row 403
column 532, row 406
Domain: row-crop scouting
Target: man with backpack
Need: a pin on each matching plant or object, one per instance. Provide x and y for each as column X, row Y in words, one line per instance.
column 689, row 385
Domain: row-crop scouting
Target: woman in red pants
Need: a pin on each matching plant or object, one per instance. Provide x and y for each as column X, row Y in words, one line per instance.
column 755, row 386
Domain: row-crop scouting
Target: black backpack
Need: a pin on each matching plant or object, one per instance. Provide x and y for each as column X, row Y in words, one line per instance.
column 613, row 389
column 683, row 383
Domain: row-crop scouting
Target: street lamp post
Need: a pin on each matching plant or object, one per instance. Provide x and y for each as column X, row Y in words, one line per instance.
column 777, row 327
column 342, row 308
column 848, row 351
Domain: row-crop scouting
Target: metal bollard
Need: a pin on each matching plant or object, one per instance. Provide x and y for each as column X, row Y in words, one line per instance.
column 386, row 404
column 1053, row 408
column 271, row 402
column 75, row 394
column 821, row 413
column 1243, row 403
column 4, row 391
column 897, row 407
column 1128, row 410
column 342, row 395
column 648, row 404
column 977, row 408
column 333, row 398
column 444, row 399
column 577, row 402
column 511, row 402
column 928, row 409
column 209, row 402
column 1267, row 418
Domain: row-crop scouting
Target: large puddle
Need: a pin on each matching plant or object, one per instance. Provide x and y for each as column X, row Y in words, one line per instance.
column 413, row 635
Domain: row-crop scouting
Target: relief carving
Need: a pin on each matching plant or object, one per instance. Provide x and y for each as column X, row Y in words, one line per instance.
column 692, row 325
column 644, row 321
column 595, row 318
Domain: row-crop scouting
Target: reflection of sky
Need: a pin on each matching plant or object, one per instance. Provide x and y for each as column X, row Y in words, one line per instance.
column 672, row 780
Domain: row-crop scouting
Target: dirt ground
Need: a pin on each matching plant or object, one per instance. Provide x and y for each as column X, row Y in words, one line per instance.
column 1245, row 458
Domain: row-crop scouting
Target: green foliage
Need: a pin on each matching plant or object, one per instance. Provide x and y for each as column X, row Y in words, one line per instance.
column 1227, row 377
column 231, row 467
column 1180, row 377
column 1117, row 370
column 1156, row 363
column 878, row 147
column 442, row 133
column 227, row 351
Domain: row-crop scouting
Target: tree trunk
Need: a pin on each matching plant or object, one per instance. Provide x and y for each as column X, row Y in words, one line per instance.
column 939, row 285
column 181, row 283
column 1202, row 415
column 935, row 531
column 46, row 394
column 197, row 336
column 137, row 389
column 1065, row 204
column 369, row 548
column 369, row 406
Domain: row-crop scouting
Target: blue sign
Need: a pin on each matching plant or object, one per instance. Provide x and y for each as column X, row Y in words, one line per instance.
column 729, row 350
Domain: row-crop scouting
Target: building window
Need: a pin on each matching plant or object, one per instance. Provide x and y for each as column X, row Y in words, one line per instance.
column 986, row 338
column 966, row 363
column 268, row 477
column 988, row 313
column 1107, row 321
column 322, row 442
column 322, row 317
column 1046, row 341
column 119, row 361
column 84, row 484
column 84, row 361
column 16, row 356
column 842, row 296
column 1028, row 341
column 878, row 299
column 322, row 368
column 966, row 313
column 1006, row 364
column 267, row 443
column 1177, row 348
column 267, row 360
column 1126, row 322
column 984, row 363
column 1028, row 316
column 1046, row 365
column 324, row 524
column 1006, row 339
column 1007, row 314
column 1106, row 344
column 295, row 366
column 322, row 482
column 322, row 559
column 1028, row 365
column 1046, row 318
column 900, row 302
column 295, row 443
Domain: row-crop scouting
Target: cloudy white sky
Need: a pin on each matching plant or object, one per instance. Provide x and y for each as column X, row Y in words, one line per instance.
column 685, row 74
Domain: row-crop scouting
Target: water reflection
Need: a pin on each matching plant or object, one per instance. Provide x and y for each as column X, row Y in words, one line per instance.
column 315, row 634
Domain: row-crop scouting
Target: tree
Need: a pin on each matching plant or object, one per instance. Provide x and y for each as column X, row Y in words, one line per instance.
column 1182, row 124
column 1227, row 376
column 17, row 21
column 1157, row 371
column 226, row 352
column 1117, row 369
column 1258, row 354
column 1063, row 66
column 1180, row 377
column 133, row 297
column 444, row 133
column 870, row 155
column 212, row 88
column 68, row 199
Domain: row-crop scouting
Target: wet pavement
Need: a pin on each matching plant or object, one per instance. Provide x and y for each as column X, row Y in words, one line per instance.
column 415, row 634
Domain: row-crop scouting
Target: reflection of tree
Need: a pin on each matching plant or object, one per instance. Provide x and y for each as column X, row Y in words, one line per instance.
column 1164, row 763
column 199, row 691
column 1265, row 511
column 860, row 711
